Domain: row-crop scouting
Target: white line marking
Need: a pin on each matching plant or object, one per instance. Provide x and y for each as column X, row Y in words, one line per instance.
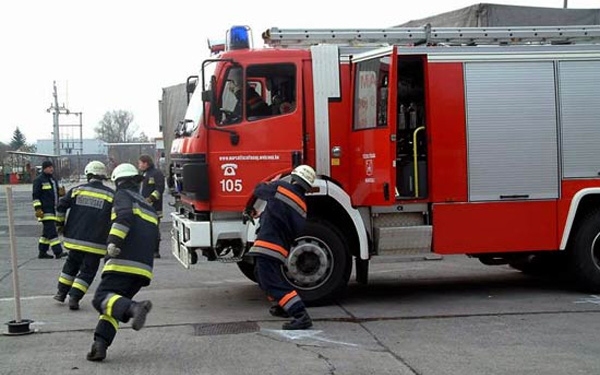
column 592, row 299
column 306, row 334
column 11, row 299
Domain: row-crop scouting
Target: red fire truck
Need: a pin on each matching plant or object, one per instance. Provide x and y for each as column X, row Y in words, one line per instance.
column 470, row 141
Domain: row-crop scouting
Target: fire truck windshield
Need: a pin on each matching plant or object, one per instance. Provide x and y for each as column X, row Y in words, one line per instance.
column 195, row 109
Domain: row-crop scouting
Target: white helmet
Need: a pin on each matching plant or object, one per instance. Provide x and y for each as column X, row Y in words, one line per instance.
column 95, row 168
column 124, row 170
column 304, row 175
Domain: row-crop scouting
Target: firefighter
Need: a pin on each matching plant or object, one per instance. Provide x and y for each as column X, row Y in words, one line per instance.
column 152, row 188
column 255, row 105
column 280, row 223
column 45, row 198
column 129, row 261
column 85, row 233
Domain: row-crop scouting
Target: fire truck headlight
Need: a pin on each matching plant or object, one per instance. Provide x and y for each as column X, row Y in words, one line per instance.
column 239, row 37
column 186, row 234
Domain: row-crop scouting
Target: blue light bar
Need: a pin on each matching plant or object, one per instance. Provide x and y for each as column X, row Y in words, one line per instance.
column 239, row 37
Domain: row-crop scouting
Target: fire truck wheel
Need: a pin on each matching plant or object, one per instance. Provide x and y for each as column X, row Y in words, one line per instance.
column 319, row 263
column 544, row 265
column 585, row 254
column 247, row 269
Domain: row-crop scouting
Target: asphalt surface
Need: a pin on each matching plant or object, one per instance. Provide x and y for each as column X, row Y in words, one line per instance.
column 449, row 316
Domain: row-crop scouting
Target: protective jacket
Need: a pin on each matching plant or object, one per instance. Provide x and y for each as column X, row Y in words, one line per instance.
column 153, row 187
column 45, row 196
column 282, row 219
column 134, row 230
column 89, row 217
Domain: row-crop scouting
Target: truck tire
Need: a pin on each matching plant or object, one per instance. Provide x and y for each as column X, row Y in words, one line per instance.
column 551, row 265
column 247, row 269
column 319, row 263
column 584, row 254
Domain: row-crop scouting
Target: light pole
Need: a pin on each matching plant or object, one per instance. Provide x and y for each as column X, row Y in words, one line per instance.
column 565, row 4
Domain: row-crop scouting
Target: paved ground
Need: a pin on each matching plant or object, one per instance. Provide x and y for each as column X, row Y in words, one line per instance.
column 450, row 316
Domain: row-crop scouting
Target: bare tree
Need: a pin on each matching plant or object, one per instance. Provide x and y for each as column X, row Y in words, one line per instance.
column 115, row 127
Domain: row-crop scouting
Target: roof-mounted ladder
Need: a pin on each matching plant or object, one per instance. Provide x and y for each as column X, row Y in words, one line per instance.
column 434, row 35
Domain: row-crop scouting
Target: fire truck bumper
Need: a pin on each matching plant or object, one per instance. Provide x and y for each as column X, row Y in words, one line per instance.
column 187, row 236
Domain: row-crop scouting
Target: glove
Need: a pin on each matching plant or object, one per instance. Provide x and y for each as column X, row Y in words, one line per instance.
column 61, row 191
column 113, row 250
column 248, row 215
column 39, row 213
column 150, row 200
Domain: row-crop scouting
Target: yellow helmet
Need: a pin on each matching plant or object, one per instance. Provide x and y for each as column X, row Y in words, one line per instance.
column 95, row 168
column 305, row 175
column 123, row 171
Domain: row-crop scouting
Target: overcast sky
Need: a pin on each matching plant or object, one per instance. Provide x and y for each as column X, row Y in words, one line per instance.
column 108, row 55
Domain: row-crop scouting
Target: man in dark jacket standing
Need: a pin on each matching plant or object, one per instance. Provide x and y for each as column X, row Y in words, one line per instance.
column 153, row 187
column 280, row 223
column 85, row 233
column 128, row 266
column 45, row 198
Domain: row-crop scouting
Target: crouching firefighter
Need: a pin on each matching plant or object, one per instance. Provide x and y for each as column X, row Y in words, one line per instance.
column 84, row 233
column 280, row 223
column 129, row 261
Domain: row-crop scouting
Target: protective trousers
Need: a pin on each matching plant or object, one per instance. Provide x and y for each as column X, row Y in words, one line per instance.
column 269, row 277
column 78, row 273
column 113, row 301
column 157, row 250
column 49, row 238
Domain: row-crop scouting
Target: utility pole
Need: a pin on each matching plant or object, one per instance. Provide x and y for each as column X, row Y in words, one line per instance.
column 56, row 110
column 565, row 4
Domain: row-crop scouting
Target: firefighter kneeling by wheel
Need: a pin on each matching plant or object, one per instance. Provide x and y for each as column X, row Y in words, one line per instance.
column 128, row 266
column 280, row 223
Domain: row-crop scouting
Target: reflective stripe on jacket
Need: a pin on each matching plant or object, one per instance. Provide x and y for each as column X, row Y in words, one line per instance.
column 45, row 196
column 153, row 186
column 282, row 219
column 134, row 229
column 88, row 223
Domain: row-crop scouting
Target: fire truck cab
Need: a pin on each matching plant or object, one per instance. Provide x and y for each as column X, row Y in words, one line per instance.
column 426, row 141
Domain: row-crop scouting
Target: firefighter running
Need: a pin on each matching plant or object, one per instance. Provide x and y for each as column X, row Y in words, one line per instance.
column 280, row 223
column 85, row 233
column 152, row 188
column 129, row 264
column 45, row 198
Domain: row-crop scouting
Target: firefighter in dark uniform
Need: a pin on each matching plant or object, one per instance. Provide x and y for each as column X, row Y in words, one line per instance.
column 84, row 233
column 128, row 266
column 152, row 188
column 280, row 223
column 45, row 194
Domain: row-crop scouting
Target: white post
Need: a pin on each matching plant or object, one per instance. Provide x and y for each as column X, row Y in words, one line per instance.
column 13, row 253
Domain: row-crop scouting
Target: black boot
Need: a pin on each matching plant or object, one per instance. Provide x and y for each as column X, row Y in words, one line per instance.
column 301, row 321
column 98, row 351
column 278, row 311
column 43, row 255
column 60, row 296
column 73, row 303
column 62, row 254
column 138, row 311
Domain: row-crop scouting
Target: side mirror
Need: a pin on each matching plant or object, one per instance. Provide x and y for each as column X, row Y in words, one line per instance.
column 190, row 86
column 207, row 96
column 191, row 83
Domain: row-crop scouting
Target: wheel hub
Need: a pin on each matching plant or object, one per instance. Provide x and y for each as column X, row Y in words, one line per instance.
column 309, row 263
